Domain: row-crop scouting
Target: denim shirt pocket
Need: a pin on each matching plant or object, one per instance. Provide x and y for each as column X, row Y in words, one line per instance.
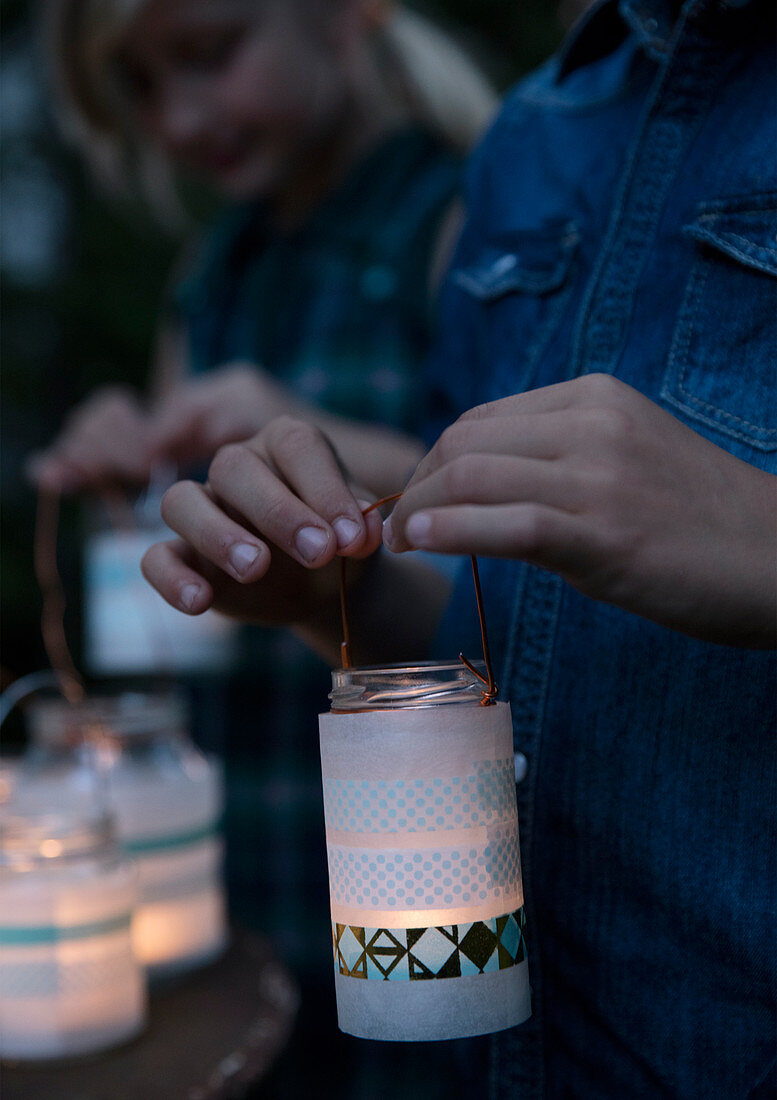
column 722, row 370
column 520, row 280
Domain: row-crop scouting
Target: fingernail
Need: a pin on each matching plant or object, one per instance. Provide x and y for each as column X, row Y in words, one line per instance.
column 388, row 532
column 311, row 542
column 347, row 531
column 417, row 529
column 189, row 594
column 242, row 556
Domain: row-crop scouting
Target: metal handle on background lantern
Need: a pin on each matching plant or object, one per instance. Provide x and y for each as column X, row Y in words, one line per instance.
column 121, row 517
column 53, row 597
column 490, row 689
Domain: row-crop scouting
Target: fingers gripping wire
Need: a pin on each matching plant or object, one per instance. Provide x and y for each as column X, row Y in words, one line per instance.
column 490, row 690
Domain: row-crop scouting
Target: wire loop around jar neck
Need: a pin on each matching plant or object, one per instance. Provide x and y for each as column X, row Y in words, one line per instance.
column 490, row 690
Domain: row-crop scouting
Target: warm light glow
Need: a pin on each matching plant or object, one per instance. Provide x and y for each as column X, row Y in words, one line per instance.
column 51, row 848
column 424, row 871
column 77, row 987
column 167, row 934
column 426, row 918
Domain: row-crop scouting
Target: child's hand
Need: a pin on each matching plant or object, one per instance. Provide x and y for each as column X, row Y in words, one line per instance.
column 275, row 510
column 112, row 440
column 105, row 441
column 196, row 417
column 590, row 479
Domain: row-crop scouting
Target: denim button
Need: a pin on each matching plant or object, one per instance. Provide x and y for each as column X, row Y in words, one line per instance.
column 521, row 767
column 504, row 264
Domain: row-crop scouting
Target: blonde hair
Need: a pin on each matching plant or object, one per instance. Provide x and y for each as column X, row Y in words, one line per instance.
column 443, row 89
column 93, row 110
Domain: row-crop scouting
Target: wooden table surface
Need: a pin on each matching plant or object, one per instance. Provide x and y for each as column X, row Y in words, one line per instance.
column 210, row 1036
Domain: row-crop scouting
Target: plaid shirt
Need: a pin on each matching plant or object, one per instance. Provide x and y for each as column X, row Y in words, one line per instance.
column 339, row 311
column 339, row 308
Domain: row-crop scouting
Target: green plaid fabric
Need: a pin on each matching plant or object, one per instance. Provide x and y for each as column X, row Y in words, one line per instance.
column 339, row 311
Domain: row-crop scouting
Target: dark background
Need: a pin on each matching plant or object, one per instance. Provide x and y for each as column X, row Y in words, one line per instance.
column 82, row 277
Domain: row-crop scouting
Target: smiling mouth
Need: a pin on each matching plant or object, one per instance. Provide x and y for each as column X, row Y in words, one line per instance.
column 220, row 160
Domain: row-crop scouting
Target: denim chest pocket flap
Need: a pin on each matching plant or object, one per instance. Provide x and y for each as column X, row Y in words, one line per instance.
column 721, row 370
column 520, row 282
column 533, row 261
column 746, row 235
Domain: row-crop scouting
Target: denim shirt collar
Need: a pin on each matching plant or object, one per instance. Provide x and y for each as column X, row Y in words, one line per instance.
column 606, row 24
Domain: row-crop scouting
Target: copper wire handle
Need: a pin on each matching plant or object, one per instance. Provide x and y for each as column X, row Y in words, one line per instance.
column 53, row 597
column 55, row 642
column 490, row 689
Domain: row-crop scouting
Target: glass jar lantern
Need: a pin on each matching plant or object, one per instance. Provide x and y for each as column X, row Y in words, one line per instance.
column 167, row 800
column 424, row 865
column 129, row 630
column 69, row 980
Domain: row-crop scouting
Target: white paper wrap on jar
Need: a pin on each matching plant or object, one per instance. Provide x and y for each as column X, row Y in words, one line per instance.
column 166, row 798
column 129, row 629
column 424, row 871
column 70, row 983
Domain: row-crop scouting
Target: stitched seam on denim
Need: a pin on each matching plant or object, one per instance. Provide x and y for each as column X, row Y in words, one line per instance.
column 612, row 288
column 713, row 208
column 589, row 294
column 618, row 289
column 678, row 359
column 563, row 105
column 637, row 19
column 748, row 243
column 512, row 626
column 716, row 215
column 546, row 331
column 749, row 258
column 716, row 423
column 531, row 671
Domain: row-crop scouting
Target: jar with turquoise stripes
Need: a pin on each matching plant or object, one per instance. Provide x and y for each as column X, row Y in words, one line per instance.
column 70, row 983
column 133, row 754
column 424, row 864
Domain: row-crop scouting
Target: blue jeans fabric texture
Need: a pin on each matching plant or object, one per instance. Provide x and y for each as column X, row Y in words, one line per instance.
column 623, row 218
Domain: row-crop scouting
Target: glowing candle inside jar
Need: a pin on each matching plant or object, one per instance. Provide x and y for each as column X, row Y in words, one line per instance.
column 424, row 867
column 69, row 981
column 166, row 797
column 181, row 922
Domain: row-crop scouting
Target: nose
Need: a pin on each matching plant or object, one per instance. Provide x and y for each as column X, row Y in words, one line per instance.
column 182, row 116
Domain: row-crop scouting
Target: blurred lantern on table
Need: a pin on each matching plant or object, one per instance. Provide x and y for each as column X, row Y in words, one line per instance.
column 129, row 630
column 70, row 983
column 424, row 866
column 130, row 754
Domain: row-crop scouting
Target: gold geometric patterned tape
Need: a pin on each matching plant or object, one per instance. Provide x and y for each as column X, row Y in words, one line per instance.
column 421, row 954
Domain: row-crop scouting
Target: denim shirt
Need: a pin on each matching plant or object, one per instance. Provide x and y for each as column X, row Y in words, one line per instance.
column 623, row 218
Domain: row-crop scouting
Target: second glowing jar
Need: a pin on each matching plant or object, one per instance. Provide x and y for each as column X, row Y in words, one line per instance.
column 131, row 754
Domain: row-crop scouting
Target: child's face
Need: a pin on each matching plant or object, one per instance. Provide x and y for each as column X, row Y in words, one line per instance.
column 240, row 92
